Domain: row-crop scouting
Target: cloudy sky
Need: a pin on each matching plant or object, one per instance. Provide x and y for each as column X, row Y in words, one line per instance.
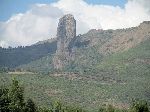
column 25, row 22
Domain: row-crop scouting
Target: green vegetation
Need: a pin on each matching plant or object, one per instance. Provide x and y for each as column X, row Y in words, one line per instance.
column 139, row 106
column 85, row 59
column 83, row 91
column 13, row 57
column 115, row 79
column 42, row 65
column 12, row 100
column 91, row 82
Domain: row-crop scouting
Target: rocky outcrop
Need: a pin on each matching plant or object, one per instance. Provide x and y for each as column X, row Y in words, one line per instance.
column 66, row 32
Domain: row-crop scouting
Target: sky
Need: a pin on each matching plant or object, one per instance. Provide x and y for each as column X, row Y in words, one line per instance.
column 25, row 22
column 11, row 7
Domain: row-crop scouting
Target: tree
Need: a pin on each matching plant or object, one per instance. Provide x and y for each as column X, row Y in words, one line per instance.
column 30, row 106
column 16, row 96
column 12, row 99
column 4, row 100
column 139, row 106
column 57, row 107
column 110, row 108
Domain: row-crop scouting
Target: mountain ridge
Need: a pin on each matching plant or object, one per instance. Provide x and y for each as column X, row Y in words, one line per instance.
column 90, row 48
column 104, row 67
column 99, row 42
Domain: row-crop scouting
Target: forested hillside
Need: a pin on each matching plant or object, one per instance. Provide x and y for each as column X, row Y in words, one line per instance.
column 100, row 67
column 90, row 49
column 12, row 99
column 13, row 57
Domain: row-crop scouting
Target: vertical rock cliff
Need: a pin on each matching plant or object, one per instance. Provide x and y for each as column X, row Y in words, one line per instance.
column 66, row 32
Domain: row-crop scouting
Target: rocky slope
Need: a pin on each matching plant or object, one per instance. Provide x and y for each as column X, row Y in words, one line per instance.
column 126, row 38
column 91, row 48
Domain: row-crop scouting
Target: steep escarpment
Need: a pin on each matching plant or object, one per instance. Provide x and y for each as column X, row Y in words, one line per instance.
column 66, row 32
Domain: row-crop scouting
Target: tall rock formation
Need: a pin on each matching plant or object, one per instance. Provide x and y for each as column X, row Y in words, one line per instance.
column 66, row 32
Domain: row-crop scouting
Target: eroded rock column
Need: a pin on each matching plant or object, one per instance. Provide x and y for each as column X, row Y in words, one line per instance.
column 66, row 31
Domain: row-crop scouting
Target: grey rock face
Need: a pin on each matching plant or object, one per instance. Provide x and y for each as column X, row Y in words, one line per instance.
column 66, row 32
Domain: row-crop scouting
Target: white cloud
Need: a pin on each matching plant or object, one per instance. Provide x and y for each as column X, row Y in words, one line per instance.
column 105, row 16
column 37, row 24
column 40, row 22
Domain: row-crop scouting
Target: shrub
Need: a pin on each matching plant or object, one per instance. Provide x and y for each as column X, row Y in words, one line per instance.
column 139, row 106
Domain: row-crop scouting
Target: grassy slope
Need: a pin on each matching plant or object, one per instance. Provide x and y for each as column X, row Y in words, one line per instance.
column 85, row 58
column 133, row 67
column 42, row 65
column 118, row 79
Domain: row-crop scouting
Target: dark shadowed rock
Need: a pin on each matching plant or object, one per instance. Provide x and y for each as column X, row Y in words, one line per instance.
column 66, row 32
